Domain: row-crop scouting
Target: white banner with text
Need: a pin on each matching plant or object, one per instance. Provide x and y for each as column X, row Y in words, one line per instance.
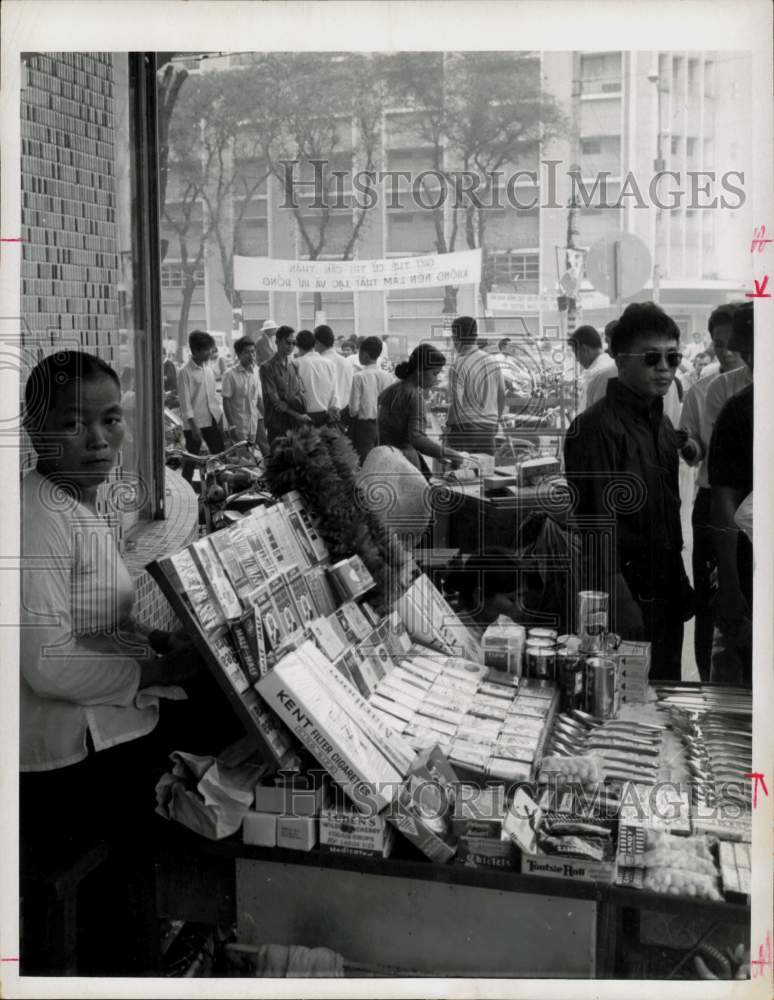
column 263, row 274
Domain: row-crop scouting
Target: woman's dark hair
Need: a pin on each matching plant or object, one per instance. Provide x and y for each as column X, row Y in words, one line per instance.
column 52, row 375
column 638, row 319
column 423, row 357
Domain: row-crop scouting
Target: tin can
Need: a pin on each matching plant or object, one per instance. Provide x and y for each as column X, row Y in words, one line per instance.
column 543, row 633
column 570, row 676
column 540, row 660
column 592, row 619
column 601, row 687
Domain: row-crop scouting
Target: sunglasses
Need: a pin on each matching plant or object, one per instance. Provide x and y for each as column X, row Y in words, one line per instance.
column 652, row 358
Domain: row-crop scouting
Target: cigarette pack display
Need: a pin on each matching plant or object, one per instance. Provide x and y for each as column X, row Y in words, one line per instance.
column 346, row 627
column 330, row 640
column 416, row 673
column 259, row 829
column 405, row 675
column 458, row 666
column 297, row 833
column 277, row 534
column 246, row 554
column 346, row 832
column 371, row 615
column 502, row 646
column 463, row 753
column 247, row 659
column 228, row 660
column 521, row 725
column 357, row 620
column 631, row 847
column 447, row 728
column 267, row 614
column 222, row 544
column 365, row 670
column 485, row 711
column 399, row 714
column 321, row 720
column 522, row 820
column 351, row 578
column 295, row 503
column 392, row 745
column 302, row 599
column 398, row 693
column 188, row 582
column 285, row 609
column 321, row 590
column 633, row 660
column 253, row 630
column 216, row 579
column 252, row 531
column 440, row 715
column 427, row 659
column 305, row 554
column 451, row 701
column 499, row 691
column 272, row 731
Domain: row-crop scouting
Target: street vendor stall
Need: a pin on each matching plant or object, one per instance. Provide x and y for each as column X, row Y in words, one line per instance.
column 418, row 800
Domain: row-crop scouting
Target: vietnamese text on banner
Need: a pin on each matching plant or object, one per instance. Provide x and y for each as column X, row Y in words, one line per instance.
column 260, row 274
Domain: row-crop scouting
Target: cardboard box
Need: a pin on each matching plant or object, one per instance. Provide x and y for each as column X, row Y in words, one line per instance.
column 486, row 852
column 568, row 868
column 259, row 829
column 431, row 834
column 479, row 812
column 297, row 833
column 289, row 800
column 329, row 639
column 323, row 721
column 346, row 832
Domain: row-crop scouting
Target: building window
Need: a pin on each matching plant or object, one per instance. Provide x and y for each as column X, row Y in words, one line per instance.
column 589, row 146
column 693, row 73
column 600, row 73
column 173, row 275
column 508, row 267
column 709, row 78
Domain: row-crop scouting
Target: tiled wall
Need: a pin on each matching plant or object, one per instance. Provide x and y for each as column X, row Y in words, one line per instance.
column 68, row 177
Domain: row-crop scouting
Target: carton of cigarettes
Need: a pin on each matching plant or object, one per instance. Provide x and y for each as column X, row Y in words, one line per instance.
column 508, row 770
column 247, row 658
column 663, row 807
column 302, row 599
column 188, row 581
column 291, row 798
column 217, row 581
column 322, row 721
column 321, row 591
column 304, row 552
column 274, row 735
column 331, row 641
column 222, row 646
column 357, row 620
column 399, row 714
column 295, row 503
column 222, row 544
column 245, row 553
column 397, row 638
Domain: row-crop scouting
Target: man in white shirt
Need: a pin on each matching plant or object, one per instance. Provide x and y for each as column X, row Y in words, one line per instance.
column 476, row 393
column 367, row 386
column 698, row 432
column 243, row 399
column 200, row 406
column 265, row 345
column 318, row 376
column 324, row 341
column 598, row 367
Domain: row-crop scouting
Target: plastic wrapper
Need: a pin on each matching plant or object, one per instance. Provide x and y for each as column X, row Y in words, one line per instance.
column 584, row 770
column 676, row 882
column 698, row 846
column 686, row 861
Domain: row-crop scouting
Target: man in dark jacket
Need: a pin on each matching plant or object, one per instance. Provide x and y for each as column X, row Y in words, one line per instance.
column 621, row 460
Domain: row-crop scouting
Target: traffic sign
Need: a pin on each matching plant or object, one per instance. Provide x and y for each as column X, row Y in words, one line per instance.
column 619, row 265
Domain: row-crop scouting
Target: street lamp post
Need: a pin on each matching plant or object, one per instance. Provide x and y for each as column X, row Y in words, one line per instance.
column 658, row 167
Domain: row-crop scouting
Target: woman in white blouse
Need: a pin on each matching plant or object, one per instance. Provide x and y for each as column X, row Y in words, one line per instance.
column 90, row 679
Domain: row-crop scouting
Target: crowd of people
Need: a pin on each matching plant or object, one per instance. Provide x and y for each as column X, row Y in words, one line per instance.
column 644, row 404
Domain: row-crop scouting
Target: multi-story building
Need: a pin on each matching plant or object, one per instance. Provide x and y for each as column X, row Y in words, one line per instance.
column 632, row 114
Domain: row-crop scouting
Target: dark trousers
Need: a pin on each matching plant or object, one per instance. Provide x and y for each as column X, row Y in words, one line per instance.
column 703, row 561
column 661, row 591
column 364, row 437
column 213, row 438
column 474, row 438
column 320, row 418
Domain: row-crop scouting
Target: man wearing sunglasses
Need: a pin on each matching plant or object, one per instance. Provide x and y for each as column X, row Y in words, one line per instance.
column 621, row 461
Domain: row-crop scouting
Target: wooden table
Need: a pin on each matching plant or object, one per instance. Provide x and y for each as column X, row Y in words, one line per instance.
column 408, row 913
